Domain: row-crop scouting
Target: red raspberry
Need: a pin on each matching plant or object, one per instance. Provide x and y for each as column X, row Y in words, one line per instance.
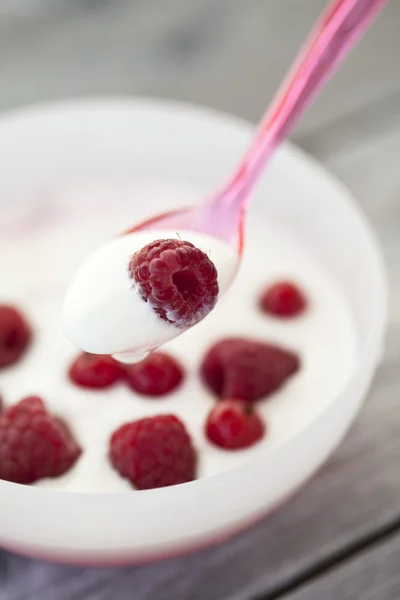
column 15, row 335
column 33, row 444
column 246, row 369
column 233, row 424
column 283, row 299
column 153, row 452
column 156, row 375
column 28, row 406
column 95, row 371
column 177, row 279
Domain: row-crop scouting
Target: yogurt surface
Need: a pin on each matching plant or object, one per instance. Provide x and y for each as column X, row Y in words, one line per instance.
column 44, row 260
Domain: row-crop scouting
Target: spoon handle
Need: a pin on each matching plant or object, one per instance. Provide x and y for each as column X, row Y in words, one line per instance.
column 339, row 28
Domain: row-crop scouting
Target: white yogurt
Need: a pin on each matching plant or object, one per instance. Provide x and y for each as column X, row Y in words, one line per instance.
column 103, row 312
column 36, row 279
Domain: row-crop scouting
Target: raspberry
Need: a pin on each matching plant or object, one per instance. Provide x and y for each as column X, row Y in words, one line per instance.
column 33, row 444
column 95, row 371
column 177, row 279
column 156, row 375
column 246, row 369
column 15, row 335
column 283, row 299
column 27, row 407
column 153, row 452
column 233, row 424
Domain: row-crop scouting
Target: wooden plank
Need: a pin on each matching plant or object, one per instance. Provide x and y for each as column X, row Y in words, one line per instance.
column 371, row 575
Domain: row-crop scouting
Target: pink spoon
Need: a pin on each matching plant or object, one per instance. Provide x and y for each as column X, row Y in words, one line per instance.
column 222, row 216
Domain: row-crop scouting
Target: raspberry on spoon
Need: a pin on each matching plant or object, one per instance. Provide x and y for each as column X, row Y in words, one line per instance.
column 95, row 371
column 233, row 424
column 153, row 452
column 283, row 299
column 33, row 444
column 15, row 335
column 177, row 279
column 247, row 369
column 156, row 375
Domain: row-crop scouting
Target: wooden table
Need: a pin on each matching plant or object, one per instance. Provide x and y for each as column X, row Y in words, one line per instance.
column 339, row 538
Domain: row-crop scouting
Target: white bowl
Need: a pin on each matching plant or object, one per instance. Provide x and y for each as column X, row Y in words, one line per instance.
column 172, row 142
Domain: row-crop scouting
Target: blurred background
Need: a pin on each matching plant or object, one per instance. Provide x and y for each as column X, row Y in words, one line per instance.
column 228, row 54
column 231, row 55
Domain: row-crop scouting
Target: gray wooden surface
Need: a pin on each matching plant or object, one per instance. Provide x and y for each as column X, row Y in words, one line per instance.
column 339, row 538
column 372, row 575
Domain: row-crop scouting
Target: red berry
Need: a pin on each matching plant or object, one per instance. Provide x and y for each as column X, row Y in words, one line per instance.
column 283, row 299
column 177, row 279
column 247, row 369
column 233, row 424
column 15, row 335
column 95, row 371
column 30, row 406
column 33, row 444
column 153, row 452
column 156, row 375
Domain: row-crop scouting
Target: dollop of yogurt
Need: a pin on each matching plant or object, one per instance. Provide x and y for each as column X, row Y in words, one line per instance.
column 103, row 313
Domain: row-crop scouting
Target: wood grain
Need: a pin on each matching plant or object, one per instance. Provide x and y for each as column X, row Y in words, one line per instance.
column 371, row 575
